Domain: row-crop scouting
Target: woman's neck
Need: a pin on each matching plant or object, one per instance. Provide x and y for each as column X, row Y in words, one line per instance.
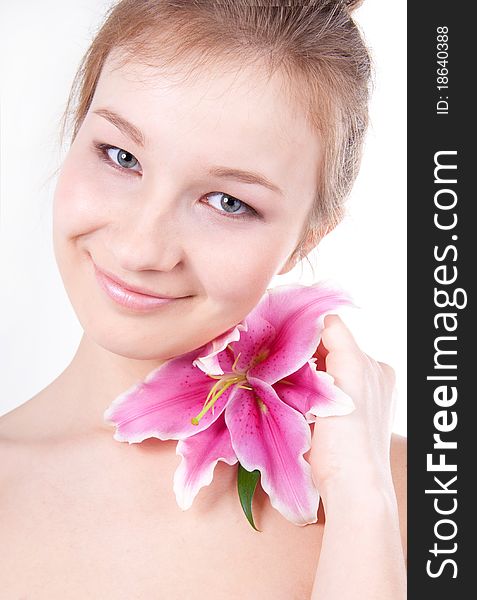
column 74, row 403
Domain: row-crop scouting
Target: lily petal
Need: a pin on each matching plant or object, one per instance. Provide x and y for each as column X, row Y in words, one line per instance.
column 271, row 436
column 296, row 312
column 313, row 393
column 332, row 401
column 254, row 344
column 208, row 361
column 163, row 405
column 200, row 454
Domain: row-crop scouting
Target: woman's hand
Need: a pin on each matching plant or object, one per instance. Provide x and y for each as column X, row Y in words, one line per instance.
column 361, row 554
column 354, row 448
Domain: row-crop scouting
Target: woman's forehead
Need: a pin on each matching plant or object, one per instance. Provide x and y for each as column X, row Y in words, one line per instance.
column 219, row 87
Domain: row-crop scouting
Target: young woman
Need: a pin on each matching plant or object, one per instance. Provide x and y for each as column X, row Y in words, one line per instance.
column 213, row 146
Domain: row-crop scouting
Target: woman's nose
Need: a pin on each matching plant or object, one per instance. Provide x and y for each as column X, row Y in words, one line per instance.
column 148, row 238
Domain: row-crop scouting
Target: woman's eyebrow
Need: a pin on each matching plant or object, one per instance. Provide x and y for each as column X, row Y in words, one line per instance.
column 245, row 177
column 136, row 135
column 123, row 125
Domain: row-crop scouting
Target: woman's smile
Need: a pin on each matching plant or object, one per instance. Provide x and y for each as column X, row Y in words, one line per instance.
column 130, row 296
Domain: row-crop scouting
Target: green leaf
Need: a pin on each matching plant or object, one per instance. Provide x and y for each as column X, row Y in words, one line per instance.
column 246, row 484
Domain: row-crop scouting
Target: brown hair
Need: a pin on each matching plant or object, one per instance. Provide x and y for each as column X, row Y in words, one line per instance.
column 316, row 43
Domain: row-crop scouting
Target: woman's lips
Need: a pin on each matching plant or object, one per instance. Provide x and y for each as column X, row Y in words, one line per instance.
column 128, row 298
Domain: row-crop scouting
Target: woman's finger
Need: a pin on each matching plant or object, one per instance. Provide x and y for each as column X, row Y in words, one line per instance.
column 345, row 361
column 336, row 336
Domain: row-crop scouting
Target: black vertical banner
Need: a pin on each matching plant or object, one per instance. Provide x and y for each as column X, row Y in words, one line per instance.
column 442, row 259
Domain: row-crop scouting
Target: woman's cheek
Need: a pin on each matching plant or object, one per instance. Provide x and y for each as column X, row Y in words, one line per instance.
column 80, row 205
column 237, row 278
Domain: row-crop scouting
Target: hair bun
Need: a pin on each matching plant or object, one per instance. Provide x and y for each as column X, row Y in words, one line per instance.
column 352, row 4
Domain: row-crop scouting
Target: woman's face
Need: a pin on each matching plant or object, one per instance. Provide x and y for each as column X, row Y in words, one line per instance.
column 172, row 213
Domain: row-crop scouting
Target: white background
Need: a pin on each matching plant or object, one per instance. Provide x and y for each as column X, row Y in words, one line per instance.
column 41, row 46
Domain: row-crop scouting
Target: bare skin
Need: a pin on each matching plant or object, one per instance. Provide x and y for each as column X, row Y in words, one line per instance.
column 84, row 515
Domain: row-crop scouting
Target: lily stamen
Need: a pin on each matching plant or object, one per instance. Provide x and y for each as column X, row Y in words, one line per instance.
column 235, row 362
column 216, row 391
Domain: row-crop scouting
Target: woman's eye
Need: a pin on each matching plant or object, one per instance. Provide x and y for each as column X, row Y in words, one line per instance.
column 118, row 157
column 227, row 203
column 125, row 161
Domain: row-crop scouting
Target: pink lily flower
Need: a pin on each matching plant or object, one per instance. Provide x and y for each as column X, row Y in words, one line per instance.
column 247, row 396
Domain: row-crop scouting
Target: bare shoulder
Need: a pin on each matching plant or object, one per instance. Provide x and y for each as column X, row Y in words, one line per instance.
column 18, row 428
column 14, row 423
column 9, row 419
column 399, row 473
column 32, row 419
column 10, row 443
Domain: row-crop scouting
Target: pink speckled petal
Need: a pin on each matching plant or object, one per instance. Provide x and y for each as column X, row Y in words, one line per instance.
column 313, row 393
column 209, row 359
column 163, row 405
column 200, row 454
column 273, row 438
column 253, row 344
column 296, row 312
